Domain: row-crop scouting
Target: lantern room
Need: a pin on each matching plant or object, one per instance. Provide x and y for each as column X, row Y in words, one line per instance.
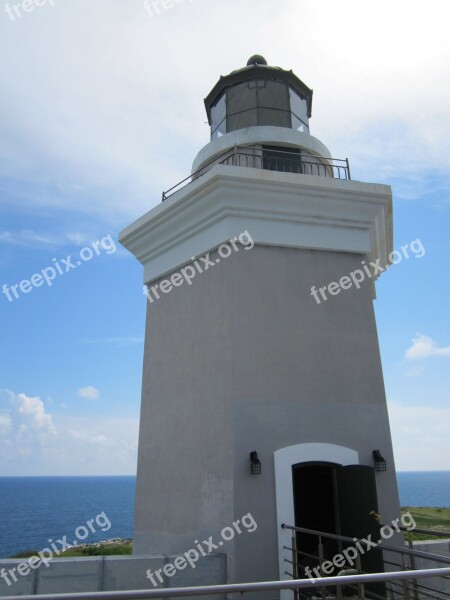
column 258, row 94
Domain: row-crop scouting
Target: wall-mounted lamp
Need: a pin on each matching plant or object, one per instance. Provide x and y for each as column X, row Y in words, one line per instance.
column 380, row 463
column 255, row 465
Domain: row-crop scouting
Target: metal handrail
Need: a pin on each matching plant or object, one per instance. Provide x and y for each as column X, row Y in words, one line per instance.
column 388, row 547
column 407, row 590
column 434, row 532
column 420, row 589
column 233, row 155
column 166, row 194
column 320, row 166
column 240, row 587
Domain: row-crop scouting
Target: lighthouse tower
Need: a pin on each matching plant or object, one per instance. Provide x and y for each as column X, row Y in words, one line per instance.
column 262, row 388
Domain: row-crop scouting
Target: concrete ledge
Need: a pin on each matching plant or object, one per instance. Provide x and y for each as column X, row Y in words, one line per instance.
column 208, row 572
column 121, row 573
column 71, row 575
column 109, row 573
column 25, row 584
column 440, row 547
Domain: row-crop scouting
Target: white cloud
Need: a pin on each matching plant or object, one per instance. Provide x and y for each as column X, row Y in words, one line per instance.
column 30, row 239
column 89, row 393
column 420, row 436
column 25, row 237
column 117, row 341
column 423, row 347
column 77, row 237
column 5, row 423
column 126, row 105
column 34, row 442
column 91, row 437
column 413, row 371
column 25, row 425
column 34, row 415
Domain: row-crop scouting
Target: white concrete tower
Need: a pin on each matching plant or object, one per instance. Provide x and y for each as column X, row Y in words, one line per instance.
column 244, row 353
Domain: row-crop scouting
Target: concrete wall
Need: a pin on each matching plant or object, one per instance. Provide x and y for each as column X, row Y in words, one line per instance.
column 109, row 573
column 245, row 359
column 440, row 547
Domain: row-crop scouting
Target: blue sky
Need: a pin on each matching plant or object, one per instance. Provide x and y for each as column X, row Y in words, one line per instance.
column 102, row 108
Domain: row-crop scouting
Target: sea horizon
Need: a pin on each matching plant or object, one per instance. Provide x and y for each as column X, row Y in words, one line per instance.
column 134, row 475
column 36, row 508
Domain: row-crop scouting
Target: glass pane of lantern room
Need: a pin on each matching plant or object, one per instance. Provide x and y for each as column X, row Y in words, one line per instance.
column 274, row 94
column 241, row 106
column 218, row 113
column 273, row 104
column 299, row 108
column 242, row 120
column 271, row 116
column 298, row 125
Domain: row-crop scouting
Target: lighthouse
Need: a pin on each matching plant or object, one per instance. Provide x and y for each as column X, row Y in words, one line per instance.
column 262, row 391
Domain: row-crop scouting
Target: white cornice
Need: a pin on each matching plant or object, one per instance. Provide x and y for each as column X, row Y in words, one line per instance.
column 277, row 209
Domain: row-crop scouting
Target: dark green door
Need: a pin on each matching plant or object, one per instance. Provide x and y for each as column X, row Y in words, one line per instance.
column 357, row 497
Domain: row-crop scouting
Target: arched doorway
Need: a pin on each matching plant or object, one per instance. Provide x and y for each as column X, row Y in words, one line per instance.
column 323, row 487
column 316, row 507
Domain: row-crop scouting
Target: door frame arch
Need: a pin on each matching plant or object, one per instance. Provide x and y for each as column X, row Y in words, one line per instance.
column 284, row 459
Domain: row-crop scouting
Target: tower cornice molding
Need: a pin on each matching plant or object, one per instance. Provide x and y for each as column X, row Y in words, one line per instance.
column 277, row 209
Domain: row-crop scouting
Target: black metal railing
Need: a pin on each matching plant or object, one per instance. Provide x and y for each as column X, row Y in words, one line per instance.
column 284, row 161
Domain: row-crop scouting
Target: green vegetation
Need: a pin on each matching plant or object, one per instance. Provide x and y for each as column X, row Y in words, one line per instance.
column 125, row 547
column 427, row 518
column 25, row 554
column 101, row 550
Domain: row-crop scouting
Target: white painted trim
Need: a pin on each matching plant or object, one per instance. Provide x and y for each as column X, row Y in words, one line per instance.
column 261, row 134
column 283, row 461
column 277, row 209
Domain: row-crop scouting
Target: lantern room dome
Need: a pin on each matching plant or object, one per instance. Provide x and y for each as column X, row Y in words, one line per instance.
column 258, row 95
column 256, row 59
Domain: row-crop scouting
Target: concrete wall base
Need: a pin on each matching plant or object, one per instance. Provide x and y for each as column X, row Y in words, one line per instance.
column 108, row 573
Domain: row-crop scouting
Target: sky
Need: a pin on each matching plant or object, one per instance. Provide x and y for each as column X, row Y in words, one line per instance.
column 102, row 108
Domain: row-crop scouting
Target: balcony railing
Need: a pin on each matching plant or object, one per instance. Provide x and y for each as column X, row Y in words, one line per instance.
column 296, row 585
column 407, row 589
column 283, row 161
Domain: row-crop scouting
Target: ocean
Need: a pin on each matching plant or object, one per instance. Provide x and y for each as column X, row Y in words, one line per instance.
column 424, row 488
column 34, row 510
